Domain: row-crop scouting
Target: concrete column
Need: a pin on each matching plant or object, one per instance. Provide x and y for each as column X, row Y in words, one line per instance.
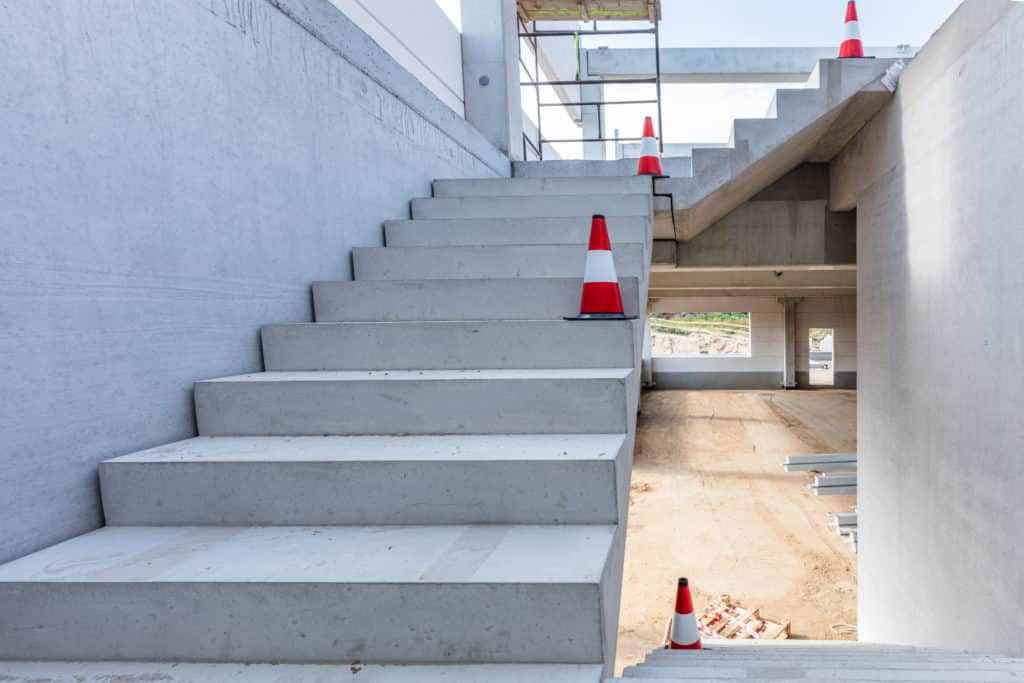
column 593, row 121
column 490, row 72
column 789, row 362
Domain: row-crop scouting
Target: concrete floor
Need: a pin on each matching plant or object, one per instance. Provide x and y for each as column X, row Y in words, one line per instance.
column 710, row 501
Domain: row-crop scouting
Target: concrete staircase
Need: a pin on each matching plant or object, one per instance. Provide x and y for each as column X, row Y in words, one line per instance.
column 796, row 660
column 428, row 483
column 806, row 124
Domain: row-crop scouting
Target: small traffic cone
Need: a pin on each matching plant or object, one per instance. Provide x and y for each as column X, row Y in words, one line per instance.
column 602, row 299
column 852, row 46
column 684, row 634
column 650, row 162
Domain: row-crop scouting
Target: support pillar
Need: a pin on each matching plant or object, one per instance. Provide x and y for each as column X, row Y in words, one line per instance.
column 593, row 121
column 789, row 357
column 490, row 72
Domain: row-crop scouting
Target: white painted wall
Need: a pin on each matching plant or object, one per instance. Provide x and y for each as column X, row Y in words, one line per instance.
column 767, row 335
column 836, row 313
column 419, row 35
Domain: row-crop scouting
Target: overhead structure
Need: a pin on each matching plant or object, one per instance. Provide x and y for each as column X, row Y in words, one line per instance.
column 589, row 10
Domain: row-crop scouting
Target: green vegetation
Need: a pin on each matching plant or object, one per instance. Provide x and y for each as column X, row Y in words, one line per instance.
column 685, row 324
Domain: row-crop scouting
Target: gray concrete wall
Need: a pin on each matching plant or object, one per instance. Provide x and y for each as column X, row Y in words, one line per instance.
column 174, row 175
column 788, row 223
column 936, row 181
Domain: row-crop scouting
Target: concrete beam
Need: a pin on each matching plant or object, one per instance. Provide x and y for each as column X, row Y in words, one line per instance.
column 722, row 65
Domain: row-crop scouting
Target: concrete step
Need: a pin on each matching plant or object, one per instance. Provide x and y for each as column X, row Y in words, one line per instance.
column 533, row 187
column 798, row 671
column 893, row 661
column 185, row 672
column 485, row 344
column 472, row 594
column 545, row 206
column 570, row 401
column 476, row 262
column 368, row 480
column 504, row 299
column 451, row 232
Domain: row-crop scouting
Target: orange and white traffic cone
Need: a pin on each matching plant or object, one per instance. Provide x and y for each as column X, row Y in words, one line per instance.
column 684, row 634
column 602, row 299
column 650, row 162
column 852, row 46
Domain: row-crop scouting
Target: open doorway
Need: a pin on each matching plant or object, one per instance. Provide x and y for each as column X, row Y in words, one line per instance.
column 821, row 357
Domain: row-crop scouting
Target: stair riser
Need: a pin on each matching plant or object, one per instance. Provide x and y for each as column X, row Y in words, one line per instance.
column 449, row 346
column 493, row 406
column 301, row 622
column 922, row 672
column 532, row 187
column 541, row 299
column 359, row 493
column 442, row 263
column 510, row 231
column 534, row 207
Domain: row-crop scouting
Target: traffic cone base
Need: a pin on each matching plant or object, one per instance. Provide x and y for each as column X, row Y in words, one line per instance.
column 650, row 162
column 602, row 299
column 853, row 46
column 684, row 634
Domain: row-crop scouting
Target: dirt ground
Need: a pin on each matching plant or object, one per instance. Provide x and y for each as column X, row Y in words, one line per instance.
column 711, row 502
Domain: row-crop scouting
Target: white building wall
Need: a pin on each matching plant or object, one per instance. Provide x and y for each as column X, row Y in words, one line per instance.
column 835, row 313
column 763, row 368
column 419, row 36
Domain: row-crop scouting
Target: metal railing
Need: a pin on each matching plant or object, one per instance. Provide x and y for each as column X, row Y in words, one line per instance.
column 533, row 36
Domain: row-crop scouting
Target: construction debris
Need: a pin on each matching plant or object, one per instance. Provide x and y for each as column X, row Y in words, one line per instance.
column 724, row 619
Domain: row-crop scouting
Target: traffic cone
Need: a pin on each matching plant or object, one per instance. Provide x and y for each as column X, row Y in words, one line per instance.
column 650, row 162
column 602, row 299
column 684, row 634
column 852, row 45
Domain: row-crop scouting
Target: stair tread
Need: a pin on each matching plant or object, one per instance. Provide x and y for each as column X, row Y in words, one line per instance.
column 185, row 672
column 462, row 554
column 498, row 447
column 425, row 375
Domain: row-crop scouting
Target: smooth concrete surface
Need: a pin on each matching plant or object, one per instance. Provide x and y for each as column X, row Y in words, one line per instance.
column 811, row 124
column 544, row 206
column 452, row 232
column 484, row 344
column 721, row 64
column 184, row 672
column 475, row 594
column 936, row 183
column 479, row 262
column 508, row 299
column 490, row 69
column 754, row 281
column 718, row 379
column 415, row 402
column 532, row 187
column 367, row 480
column 676, row 167
column 788, row 222
column 420, row 37
column 173, row 176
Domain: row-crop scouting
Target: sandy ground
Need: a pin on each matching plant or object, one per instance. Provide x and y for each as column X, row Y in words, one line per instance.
column 699, row 343
column 711, row 502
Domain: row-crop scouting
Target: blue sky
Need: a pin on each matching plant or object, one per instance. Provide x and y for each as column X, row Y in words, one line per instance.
column 756, row 23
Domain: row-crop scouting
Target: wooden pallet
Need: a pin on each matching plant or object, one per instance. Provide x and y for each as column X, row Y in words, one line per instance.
column 724, row 619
